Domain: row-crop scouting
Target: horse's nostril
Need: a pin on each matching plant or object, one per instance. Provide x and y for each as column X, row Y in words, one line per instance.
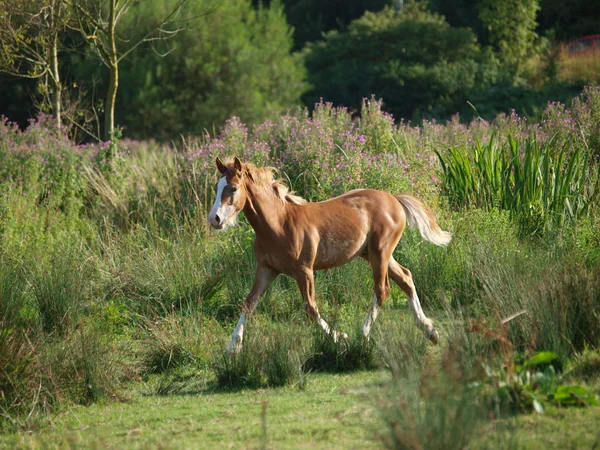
column 217, row 219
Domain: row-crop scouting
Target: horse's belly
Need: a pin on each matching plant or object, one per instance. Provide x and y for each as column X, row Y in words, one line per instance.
column 333, row 253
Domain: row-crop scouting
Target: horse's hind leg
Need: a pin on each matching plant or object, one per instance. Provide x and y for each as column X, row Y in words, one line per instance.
column 403, row 278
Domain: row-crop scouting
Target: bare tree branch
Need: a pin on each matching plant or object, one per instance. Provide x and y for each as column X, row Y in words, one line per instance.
column 29, row 40
column 98, row 22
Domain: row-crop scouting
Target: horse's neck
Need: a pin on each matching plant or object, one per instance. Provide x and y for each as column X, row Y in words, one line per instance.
column 265, row 211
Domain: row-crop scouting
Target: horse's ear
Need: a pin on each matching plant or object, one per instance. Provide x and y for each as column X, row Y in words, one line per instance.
column 221, row 166
column 237, row 164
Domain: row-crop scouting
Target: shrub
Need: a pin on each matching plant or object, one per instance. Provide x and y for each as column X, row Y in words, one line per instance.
column 211, row 75
column 270, row 356
column 413, row 60
column 44, row 161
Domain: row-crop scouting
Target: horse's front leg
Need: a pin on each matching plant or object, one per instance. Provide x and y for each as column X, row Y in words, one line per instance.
column 306, row 283
column 262, row 279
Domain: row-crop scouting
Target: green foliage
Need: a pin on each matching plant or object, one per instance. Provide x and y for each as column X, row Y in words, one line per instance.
column 42, row 160
column 542, row 189
column 569, row 21
column 270, row 356
column 413, row 60
column 511, row 25
column 113, row 273
column 534, row 384
column 211, row 74
column 311, row 18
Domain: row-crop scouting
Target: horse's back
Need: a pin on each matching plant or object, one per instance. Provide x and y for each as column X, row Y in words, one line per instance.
column 343, row 225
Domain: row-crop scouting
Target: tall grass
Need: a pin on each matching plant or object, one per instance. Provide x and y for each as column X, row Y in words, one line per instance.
column 271, row 356
column 437, row 409
column 108, row 272
column 583, row 67
column 61, row 287
column 541, row 187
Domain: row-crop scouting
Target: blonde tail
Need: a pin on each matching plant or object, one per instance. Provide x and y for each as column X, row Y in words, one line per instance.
column 421, row 217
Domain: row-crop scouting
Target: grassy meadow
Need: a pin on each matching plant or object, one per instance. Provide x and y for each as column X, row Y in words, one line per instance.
column 117, row 300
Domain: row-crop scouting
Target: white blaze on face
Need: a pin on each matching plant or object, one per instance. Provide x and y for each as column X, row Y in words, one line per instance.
column 220, row 214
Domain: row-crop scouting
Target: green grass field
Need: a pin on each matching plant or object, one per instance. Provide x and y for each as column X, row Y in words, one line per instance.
column 333, row 411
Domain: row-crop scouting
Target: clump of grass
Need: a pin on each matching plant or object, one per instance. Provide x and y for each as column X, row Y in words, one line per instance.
column 60, row 287
column 270, row 356
column 343, row 355
column 585, row 365
column 18, row 377
column 88, row 366
column 439, row 410
column 542, row 187
column 175, row 341
column 39, row 372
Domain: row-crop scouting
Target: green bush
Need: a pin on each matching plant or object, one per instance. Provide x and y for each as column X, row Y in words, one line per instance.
column 413, row 60
column 210, row 75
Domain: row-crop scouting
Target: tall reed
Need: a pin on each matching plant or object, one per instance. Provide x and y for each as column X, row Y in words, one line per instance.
column 541, row 186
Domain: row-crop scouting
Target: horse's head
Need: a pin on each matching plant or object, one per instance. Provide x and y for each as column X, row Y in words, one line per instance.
column 230, row 194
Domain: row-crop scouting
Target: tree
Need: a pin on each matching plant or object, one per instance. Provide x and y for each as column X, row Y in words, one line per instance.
column 236, row 62
column 511, row 25
column 570, row 20
column 99, row 23
column 312, row 18
column 413, row 60
column 30, row 42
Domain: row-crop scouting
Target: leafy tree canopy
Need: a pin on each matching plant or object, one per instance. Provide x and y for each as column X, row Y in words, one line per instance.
column 414, row 60
column 210, row 75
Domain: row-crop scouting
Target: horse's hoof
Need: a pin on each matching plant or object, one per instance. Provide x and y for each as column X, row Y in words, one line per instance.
column 337, row 335
column 434, row 336
column 233, row 348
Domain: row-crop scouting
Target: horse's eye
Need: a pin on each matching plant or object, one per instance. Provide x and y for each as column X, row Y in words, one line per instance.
column 233, row 189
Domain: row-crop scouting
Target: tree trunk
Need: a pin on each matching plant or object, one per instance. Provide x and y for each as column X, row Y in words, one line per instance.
column 113, row 85
column 55, row 84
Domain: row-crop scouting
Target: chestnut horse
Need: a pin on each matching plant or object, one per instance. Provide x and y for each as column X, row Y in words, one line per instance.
column 296, row 237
